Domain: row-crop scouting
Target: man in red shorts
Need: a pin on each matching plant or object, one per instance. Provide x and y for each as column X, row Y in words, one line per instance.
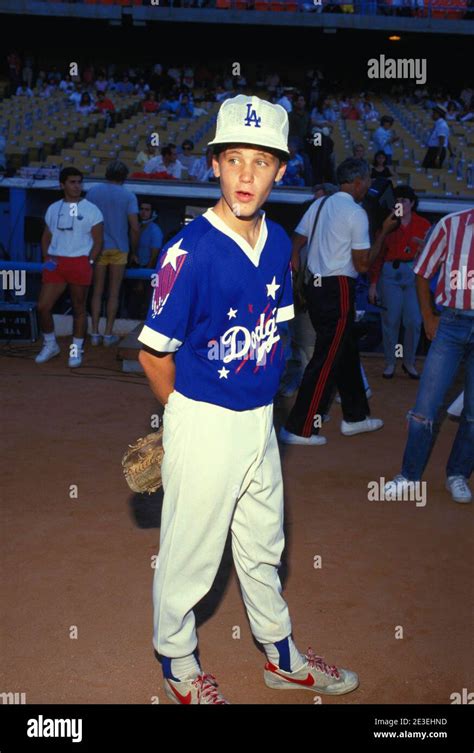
column 71, row 242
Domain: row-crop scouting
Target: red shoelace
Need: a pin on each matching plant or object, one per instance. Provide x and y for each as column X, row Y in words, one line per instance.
column 318, row 663
column 207, row 688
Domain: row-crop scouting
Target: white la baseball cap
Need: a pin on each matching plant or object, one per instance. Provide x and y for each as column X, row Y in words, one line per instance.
column 251, row 120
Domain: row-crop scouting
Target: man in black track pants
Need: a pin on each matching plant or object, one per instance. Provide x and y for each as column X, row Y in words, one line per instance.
column 339, row 249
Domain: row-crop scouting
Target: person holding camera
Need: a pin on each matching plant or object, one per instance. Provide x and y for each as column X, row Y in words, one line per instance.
column 392, row 276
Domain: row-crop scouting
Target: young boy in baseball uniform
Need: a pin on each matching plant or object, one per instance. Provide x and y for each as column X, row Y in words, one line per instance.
column 213, row 356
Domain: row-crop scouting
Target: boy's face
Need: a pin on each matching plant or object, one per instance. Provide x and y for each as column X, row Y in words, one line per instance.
column 247, row 175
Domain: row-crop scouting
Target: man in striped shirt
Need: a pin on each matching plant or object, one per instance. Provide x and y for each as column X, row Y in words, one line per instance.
column 449, row 250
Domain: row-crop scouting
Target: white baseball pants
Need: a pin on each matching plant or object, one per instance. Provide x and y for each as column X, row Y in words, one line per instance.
column 221, row 469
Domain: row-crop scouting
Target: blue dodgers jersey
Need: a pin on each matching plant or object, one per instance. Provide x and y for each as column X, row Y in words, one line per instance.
column 218, row 310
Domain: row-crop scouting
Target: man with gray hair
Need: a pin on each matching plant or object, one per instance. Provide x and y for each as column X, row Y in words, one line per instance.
column 119, row 207
column 338, row 250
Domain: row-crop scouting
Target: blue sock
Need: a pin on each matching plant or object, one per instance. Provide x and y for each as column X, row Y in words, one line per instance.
column 284, row 654
column 178, row 669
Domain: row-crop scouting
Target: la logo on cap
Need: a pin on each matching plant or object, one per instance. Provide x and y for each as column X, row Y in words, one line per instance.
column 252, row 117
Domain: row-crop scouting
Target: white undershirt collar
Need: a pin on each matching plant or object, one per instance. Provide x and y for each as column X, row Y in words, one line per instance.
column 252, row 253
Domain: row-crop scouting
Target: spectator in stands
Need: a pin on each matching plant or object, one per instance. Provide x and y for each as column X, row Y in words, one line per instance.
column 146, row 154
column 76, row 96
column 299, row 122
column 175, row 74
column 380, row 169
column 468, row 115
column 188, row 77
column 169, row 104
column 27, row 72
column 451, row 111
column 286, row 99
column 45, row 91
column 185, row 108
column 272, row 81
column 294, row 167
column 66, row 85
column 104, row 104
column 349, row 111
column 86, row 105
column 149, row 104
column 142, row 88
column 392, row 275
column 186, row 157
column 101, row 84
column 14, row 69
column 149, row 246
column 358, row 151
column 437, row 140
column 119, row 207
column 167, row 162
column 369, row 113
column 24, row 90
column 328, row 111
column 221, row 93
column 125, row 86
column 384, row 137
column 202, row 170
column 70, row 245
column 321, row 155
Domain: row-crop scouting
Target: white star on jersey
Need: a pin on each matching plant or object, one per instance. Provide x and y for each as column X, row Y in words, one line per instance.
column 232, row 313
column 272, row 288
column 173, row 253
column 223, row 373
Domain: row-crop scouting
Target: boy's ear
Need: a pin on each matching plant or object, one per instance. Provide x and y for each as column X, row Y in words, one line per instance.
column 215, row 166
column 281, row 171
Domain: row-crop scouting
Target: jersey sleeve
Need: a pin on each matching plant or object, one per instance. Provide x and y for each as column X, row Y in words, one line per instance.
column 285, row 310
column 434, row 252
column 167, row 323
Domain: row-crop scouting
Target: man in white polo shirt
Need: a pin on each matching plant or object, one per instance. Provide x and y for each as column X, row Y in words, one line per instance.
column 71, row 242
column 437, row 140
column 339, row 249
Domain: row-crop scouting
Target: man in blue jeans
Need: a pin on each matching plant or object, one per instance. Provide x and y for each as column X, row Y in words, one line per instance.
column 450, row 249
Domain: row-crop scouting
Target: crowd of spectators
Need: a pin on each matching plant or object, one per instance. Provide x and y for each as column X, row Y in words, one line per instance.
column 312, row 105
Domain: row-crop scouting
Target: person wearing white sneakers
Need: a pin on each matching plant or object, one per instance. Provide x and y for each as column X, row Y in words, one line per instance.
column 449, row 250
column 71, row 241
column 225, row 280
column 338, row 250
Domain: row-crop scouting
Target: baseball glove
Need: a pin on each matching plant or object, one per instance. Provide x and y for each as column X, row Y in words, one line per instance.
column 142, row 463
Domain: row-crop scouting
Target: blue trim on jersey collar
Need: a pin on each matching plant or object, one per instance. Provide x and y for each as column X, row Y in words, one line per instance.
column 252, row 253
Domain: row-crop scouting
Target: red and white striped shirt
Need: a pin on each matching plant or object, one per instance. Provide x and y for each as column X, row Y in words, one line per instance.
column 450, row 248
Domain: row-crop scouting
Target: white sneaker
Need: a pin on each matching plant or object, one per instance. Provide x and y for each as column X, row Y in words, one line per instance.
column 368, row 394
column 96, row 339
column 112, row 340
column 388, row 372
column 49, row 350
column 288, row 438
column 75, row 361
column 358, row 427
column 201, row 689
column 459, row 489
column 395, row 488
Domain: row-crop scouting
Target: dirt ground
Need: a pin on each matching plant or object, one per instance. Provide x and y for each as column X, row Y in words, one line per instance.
column 76, row 621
